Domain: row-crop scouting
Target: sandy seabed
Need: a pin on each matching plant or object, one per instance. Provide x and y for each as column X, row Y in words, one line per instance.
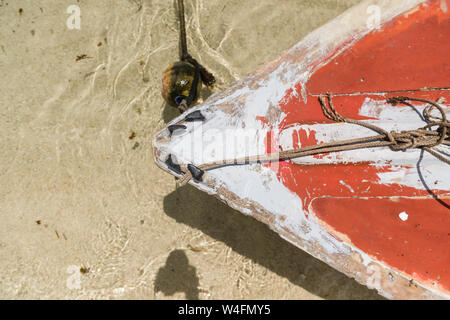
column 85, row 212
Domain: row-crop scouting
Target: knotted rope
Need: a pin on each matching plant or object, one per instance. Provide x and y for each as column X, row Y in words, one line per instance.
column 422, row 138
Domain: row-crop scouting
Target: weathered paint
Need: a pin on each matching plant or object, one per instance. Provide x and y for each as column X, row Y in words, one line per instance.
column 409, row 53
column 418, row 245
column 276, row 102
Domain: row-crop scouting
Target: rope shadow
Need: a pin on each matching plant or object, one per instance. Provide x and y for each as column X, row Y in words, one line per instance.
column 424, row 183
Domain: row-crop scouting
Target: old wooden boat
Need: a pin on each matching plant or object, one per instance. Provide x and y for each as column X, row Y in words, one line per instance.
column 376, row 214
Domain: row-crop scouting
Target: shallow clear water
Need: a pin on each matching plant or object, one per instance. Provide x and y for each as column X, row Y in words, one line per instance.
column 85, row 211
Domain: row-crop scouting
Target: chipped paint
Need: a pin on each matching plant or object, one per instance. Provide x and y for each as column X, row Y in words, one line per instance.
column 403, row 216
column 346, row 185
column 276, row 106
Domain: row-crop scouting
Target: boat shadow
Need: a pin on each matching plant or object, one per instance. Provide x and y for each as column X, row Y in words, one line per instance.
column 256, row 241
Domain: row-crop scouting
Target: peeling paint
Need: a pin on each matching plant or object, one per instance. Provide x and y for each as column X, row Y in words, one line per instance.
column 288, row 197
column 403, row 216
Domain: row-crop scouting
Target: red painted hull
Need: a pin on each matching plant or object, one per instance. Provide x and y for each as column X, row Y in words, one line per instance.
column 377, row 215
column 405, row 57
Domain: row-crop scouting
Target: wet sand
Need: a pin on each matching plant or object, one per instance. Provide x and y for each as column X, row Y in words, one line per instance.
column 85, row 212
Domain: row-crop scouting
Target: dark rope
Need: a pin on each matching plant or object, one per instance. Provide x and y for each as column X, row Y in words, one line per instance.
column 421, row 138
column 183, row 44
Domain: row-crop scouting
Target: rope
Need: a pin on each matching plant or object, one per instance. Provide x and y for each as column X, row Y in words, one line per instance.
column 207, row 77
column 422, row 138
column 183, row 44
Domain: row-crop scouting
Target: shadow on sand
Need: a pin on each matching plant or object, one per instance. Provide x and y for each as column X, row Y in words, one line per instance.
column 256, row 241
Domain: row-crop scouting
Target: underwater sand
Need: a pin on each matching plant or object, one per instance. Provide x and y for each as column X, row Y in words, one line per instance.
column 85, row 213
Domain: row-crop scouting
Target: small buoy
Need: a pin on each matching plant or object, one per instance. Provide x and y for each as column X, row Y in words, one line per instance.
column 181, row 82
